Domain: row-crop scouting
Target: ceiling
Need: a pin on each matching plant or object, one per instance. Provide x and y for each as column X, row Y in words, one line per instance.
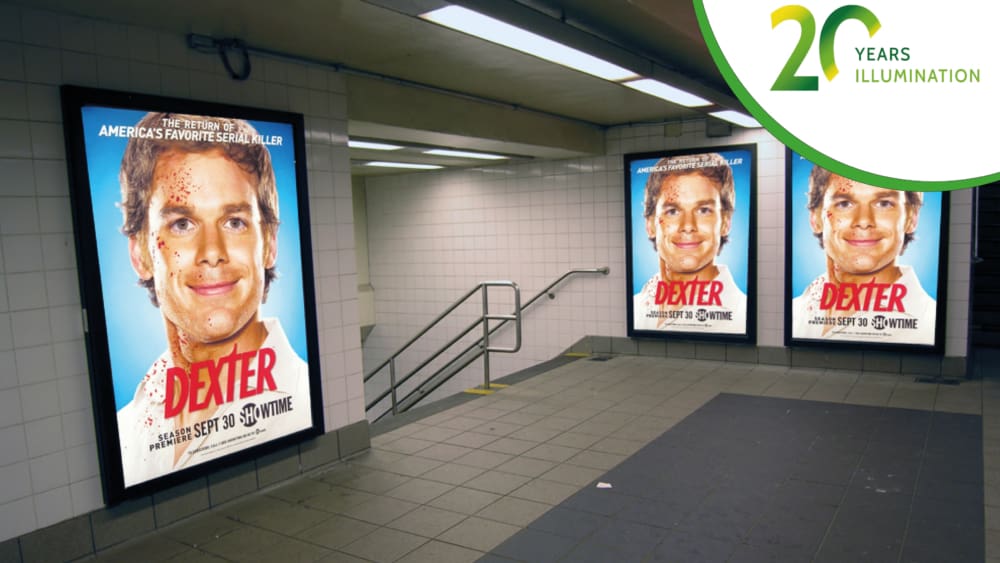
column 412, row 81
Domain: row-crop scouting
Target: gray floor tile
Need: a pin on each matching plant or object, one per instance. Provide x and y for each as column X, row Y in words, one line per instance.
column 435, row 433
column 427, row 521
column 452, row 473
column 495, row 428
column 300, row 490
column 526, row 466
column 444, row 452
column 288, row 549
column 440, row 552
column 596, row 460
column 549, row 492
column 464, row 500
column 535, row 433
column 337, row 532
column 282, row 518
column 202, row 528
column 153, row 549
column 551, row 452
column 479, row 534
column 419, row 490
column 384, row 544
column 572, row 474
column 572, row 439
column 338, row 499
column 379, row 510
column 511, row 510
column 407, row 445
column 511, row 446
column 242, row 543
column 497, row 482
column 471, row 439
column 483, row 459
column 377, row 482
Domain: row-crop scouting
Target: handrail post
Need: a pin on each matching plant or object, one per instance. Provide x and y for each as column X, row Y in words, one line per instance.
column 392, row 384
column 486, row 337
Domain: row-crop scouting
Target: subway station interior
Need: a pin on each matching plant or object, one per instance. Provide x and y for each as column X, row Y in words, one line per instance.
column 480, row 387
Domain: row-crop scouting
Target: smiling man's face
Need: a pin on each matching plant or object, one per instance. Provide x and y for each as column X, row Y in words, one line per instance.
column 863, row 227
column 205, row 246
column 688, row 223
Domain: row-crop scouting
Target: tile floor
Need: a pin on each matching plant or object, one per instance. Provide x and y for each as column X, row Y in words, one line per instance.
column 458, row 484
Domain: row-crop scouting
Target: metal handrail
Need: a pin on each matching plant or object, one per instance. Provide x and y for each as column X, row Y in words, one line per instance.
column 484, row 318
column 438, row 319
column 477, row 344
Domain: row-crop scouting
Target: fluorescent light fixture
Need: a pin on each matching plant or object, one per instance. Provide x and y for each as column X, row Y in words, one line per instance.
column 372, row 146
column 736, row 117
column 465, row 154
column 496, row 31
column 667, row 92
column 404, row 165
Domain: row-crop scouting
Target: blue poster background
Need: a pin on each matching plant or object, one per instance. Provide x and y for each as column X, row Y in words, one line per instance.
column 808, row 260
column 136, row 334
column 645, row 260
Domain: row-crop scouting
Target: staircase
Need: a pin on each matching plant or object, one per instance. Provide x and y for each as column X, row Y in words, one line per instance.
column 985, row 327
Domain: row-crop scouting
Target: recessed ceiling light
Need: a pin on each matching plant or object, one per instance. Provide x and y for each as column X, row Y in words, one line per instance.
column 465, row 154
column 496, row 31
column 736, row 117
column 373, row 146
column 411, row 165
column 667, row 92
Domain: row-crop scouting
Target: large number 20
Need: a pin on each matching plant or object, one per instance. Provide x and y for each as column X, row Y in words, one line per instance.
column 787, row 79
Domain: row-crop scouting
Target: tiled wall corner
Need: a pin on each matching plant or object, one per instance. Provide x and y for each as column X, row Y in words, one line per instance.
column 649, row 347
column 710, row 351
column 354, row 438
column 180, row 501
column 122, row 522
column 774, row 355
column 232, row 483
column 921, row 364
column 955, row 367
column 67, row 540
column 742, row 353
column 278, row 466
column 320, row 451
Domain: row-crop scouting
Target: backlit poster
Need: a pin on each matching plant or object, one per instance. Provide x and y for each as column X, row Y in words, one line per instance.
column 196, row 273
column 865, row 264
column 690, row 243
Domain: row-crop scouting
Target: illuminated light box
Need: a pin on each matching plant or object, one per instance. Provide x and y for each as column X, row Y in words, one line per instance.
column 691, row 243
column 196, row 275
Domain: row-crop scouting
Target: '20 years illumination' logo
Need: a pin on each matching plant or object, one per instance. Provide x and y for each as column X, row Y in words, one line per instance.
column 787, row 78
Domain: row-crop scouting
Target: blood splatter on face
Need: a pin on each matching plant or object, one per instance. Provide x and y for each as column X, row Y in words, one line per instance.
column 209, row 251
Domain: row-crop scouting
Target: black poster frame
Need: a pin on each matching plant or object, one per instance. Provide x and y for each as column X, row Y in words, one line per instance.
column 95, row 289
column 799, row 243
column 742, row 158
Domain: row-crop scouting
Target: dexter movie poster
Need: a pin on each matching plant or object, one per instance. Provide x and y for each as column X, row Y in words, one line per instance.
column 865, row 264
column 197, row 282
column 690, row 241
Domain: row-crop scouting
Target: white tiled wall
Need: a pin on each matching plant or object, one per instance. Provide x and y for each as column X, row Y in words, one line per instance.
column 48, row 455
column 432, row 236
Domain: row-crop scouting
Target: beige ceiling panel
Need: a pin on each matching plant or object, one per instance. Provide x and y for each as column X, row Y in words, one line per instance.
column 380, row 102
